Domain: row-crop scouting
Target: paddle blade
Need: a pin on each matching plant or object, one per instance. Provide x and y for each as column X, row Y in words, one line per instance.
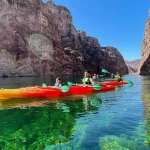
column 130, row 82
column 70, row 84
column 101, row 76
column 65, row 88
column 44, row 85
column 104, row 71
column 97, row 86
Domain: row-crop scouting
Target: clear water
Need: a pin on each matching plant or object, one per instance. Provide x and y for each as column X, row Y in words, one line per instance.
column 118, row 120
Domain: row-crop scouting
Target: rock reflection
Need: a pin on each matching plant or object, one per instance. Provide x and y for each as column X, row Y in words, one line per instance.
column 146, row 103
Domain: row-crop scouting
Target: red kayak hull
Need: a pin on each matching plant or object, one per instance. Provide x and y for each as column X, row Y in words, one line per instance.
column 114, row 82
column 87, row 89
column 38, row 91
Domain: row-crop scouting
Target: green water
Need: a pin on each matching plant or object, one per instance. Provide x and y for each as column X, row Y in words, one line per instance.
column 118, row 120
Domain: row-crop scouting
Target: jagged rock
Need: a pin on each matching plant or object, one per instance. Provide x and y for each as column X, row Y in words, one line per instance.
column 144, row 68
column 39, row 39
column 133, row 65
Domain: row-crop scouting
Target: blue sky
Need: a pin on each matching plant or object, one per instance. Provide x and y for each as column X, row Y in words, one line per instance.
column 117, row 23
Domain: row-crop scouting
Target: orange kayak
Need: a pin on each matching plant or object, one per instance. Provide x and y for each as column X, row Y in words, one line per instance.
column 39, row 91
column 30, row 92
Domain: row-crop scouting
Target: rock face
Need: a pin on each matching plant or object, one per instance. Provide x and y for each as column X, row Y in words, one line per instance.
column 144, row 68
column 133, row 65
column 40, row 39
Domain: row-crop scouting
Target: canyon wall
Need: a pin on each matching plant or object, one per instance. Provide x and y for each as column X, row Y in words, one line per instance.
column 39, row 39
column 144, row 68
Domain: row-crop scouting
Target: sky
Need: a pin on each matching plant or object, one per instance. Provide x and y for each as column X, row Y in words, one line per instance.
column 116, row 23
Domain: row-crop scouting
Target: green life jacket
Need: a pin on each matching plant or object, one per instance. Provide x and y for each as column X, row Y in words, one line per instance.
column 86, row 80
column 117, row 77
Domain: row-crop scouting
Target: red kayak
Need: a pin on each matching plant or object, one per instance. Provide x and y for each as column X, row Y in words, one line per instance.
column 107, row 88
column 116, row 82
column 79, row 89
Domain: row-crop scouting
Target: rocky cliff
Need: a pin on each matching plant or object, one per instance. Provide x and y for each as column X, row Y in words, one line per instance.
column 39, row 39
column 144, row 68
column 133, row 65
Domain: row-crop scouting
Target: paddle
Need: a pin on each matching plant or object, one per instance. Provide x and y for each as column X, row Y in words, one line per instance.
column 44, row 85
column 64, row 88
column 129, row 82
column 95, row 86
column 102, row 75
column 70, row 83
column 105, row 71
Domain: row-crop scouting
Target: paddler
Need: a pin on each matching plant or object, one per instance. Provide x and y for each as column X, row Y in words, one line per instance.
column 112, row 76
column 87, row 78
column 118, row 77
column 58, row 82
column 95, row 78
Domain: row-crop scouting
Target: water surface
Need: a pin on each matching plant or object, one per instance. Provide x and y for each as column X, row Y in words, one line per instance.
column 118, row 119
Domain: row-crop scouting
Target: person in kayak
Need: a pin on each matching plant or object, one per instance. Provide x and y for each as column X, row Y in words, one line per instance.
column 87, row 78
column 118, row 77
column 58, row 82
column 96, row 78
column 112, row 76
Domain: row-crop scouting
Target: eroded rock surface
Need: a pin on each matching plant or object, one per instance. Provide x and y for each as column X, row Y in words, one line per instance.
column 144, row 68
column 40, row 39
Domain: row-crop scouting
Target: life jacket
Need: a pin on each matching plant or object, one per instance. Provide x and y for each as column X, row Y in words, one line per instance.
column 86, row 80
column 117, row 77
column 58, row 84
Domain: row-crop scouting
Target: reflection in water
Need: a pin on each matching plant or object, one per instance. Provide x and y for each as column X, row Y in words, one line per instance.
column 91, row 101
column 88, row 101
column 76, row 122
column 146, row 103
column 37, row 127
